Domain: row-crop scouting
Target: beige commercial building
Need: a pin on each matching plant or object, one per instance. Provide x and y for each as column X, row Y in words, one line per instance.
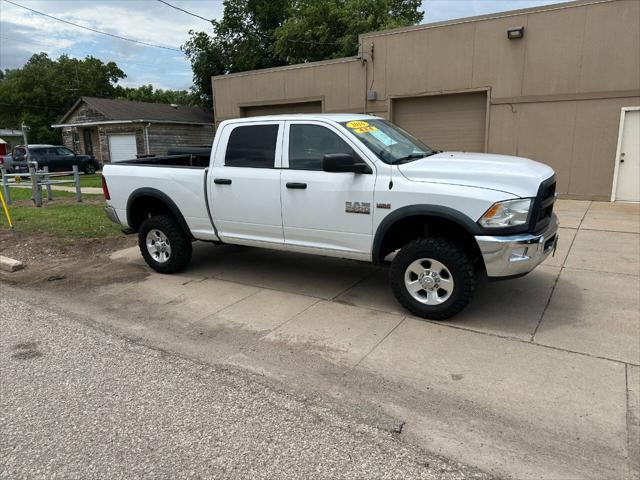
column 555, row 94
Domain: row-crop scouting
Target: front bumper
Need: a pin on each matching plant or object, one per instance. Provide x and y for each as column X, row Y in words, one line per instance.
column 111, row 214
column 515, row 255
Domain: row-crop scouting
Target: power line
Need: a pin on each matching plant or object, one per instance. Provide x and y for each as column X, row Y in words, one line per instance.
column 105, row 58
column 93, row 29
column 25, row 105
column 186, row 11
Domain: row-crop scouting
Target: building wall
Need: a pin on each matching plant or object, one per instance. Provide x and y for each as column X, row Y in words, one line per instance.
column 338, row 84
column 161, row 137
column 164, row 136
column 554, row 95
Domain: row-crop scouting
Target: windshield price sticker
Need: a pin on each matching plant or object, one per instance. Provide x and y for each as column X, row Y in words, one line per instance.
column 365, row 129
column 357, row 124
column 384, row 138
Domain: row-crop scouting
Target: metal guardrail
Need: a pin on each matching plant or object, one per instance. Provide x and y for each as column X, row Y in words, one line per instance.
column 40, row 178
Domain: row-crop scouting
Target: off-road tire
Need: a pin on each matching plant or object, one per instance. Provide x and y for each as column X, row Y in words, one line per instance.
column 179, row 241
column 457, row 261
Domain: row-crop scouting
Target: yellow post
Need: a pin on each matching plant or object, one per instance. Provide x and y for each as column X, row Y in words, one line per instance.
column 6, row 210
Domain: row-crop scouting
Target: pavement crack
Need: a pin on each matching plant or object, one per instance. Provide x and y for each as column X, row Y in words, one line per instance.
column 555, row 283
column 374, row 347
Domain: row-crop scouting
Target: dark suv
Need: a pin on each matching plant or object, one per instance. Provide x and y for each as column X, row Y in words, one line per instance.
column 57, row 158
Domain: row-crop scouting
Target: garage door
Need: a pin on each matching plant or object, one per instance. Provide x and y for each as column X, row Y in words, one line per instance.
column 445, row 122
column 301, row 107
column 122, row 147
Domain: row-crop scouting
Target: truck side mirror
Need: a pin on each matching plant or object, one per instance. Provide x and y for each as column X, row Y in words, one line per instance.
column 343, row 162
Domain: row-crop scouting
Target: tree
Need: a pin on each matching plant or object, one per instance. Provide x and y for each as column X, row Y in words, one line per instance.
column 146, row 93
column 330, row 29
column 269, row 33
column 242, row 40
column 41, row 91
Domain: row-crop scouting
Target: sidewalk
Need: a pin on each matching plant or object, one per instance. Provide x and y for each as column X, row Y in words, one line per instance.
column 85, row 190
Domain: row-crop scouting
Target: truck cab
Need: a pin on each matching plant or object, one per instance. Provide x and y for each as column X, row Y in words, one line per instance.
column 350, row 186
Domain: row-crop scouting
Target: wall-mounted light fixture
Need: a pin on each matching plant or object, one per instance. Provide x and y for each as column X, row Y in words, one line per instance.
column 515, row 33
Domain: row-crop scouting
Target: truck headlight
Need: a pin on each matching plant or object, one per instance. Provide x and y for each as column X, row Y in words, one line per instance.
column 507, row 214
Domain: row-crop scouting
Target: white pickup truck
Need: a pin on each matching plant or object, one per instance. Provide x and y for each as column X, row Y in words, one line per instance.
column 350, row 186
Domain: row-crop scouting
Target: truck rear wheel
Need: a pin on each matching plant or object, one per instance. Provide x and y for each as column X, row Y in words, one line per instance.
column 432, row 278
column 163, row 244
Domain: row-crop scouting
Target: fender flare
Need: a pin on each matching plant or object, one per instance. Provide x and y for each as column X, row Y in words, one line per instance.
column 446, row 213
column 164, row 198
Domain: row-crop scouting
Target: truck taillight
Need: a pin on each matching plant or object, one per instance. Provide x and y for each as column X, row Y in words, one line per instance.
column 105, row 189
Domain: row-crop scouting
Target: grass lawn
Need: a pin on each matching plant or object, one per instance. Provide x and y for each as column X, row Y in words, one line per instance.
column 94, row 180
column 62, row 218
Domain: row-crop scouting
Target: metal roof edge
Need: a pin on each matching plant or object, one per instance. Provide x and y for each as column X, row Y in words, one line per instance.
column 487, row 16
column 115, row 122
column 288, row 67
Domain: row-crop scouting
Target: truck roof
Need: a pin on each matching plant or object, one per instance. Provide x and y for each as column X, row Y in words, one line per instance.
column 335, row 117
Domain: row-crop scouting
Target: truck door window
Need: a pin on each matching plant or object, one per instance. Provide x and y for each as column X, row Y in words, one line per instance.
column 308, row 144
column 252, row 146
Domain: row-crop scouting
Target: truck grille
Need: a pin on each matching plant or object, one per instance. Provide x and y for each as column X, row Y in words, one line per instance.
column 543, row 205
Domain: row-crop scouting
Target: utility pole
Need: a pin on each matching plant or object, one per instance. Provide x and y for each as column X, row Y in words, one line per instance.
column 24, row 135
column 25, row 129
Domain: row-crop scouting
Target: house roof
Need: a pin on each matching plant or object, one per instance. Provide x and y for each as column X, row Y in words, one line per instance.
column 126, row 110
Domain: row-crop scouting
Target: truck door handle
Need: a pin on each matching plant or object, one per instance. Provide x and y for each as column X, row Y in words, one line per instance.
column 301, row 186
column 222, row 181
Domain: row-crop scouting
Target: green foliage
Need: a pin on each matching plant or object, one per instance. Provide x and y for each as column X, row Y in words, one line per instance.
column 242, row 40
column 257, row 34
column 146, row 93
column 44, row 89
column 40, row 92
column 329, row 29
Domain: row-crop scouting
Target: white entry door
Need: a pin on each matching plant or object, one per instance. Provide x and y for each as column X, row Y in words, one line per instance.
column 122, row 147
column 628, row 182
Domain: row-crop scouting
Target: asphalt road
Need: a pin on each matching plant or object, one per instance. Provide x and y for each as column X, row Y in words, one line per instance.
column 80, row 402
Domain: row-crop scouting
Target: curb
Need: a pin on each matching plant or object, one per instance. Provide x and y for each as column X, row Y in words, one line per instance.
column 9, row 264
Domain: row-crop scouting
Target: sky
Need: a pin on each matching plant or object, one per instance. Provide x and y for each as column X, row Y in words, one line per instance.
column 23, row 33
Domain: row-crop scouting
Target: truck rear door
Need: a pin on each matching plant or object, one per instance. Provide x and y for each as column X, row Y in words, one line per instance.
column 244, row 185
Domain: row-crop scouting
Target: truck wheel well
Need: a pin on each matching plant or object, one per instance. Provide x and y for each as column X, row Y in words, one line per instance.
column 417, row 226
column 142, row 206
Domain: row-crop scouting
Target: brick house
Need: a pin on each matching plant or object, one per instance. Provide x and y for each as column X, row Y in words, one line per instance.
column 117, row 130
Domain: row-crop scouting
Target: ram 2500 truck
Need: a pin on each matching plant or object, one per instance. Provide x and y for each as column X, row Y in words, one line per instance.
column 350, row 186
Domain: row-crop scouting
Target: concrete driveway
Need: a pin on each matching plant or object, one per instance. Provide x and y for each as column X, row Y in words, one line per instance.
column 538, row 378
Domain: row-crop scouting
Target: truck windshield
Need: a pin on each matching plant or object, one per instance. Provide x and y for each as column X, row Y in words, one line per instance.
column 390, row 143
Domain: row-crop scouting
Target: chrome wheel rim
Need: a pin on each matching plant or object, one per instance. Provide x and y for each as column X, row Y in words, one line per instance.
column 429, row 281
column 158, row 246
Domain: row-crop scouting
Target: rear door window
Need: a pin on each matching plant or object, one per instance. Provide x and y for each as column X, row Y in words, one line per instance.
column 252, row 146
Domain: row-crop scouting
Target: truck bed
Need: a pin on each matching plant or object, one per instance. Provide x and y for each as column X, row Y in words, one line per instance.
column 182, row 160
column 172, row 176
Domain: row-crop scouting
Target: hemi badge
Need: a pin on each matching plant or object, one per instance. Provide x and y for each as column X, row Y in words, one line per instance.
column 384, row 205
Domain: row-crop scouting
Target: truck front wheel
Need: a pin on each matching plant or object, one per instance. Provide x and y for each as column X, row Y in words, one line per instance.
column 163, row 244
column 432, row 278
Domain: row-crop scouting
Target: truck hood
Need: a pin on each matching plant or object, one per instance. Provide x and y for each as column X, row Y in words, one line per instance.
column 515, row 175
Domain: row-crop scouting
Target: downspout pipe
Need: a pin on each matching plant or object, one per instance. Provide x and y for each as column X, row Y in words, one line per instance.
column 146, row 138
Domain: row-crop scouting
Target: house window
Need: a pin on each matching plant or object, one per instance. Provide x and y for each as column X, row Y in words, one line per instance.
column 88, row 146
column 76, row 140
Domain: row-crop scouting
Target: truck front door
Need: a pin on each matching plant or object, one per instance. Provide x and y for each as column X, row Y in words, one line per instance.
column 244, row 185
column 325, row 210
